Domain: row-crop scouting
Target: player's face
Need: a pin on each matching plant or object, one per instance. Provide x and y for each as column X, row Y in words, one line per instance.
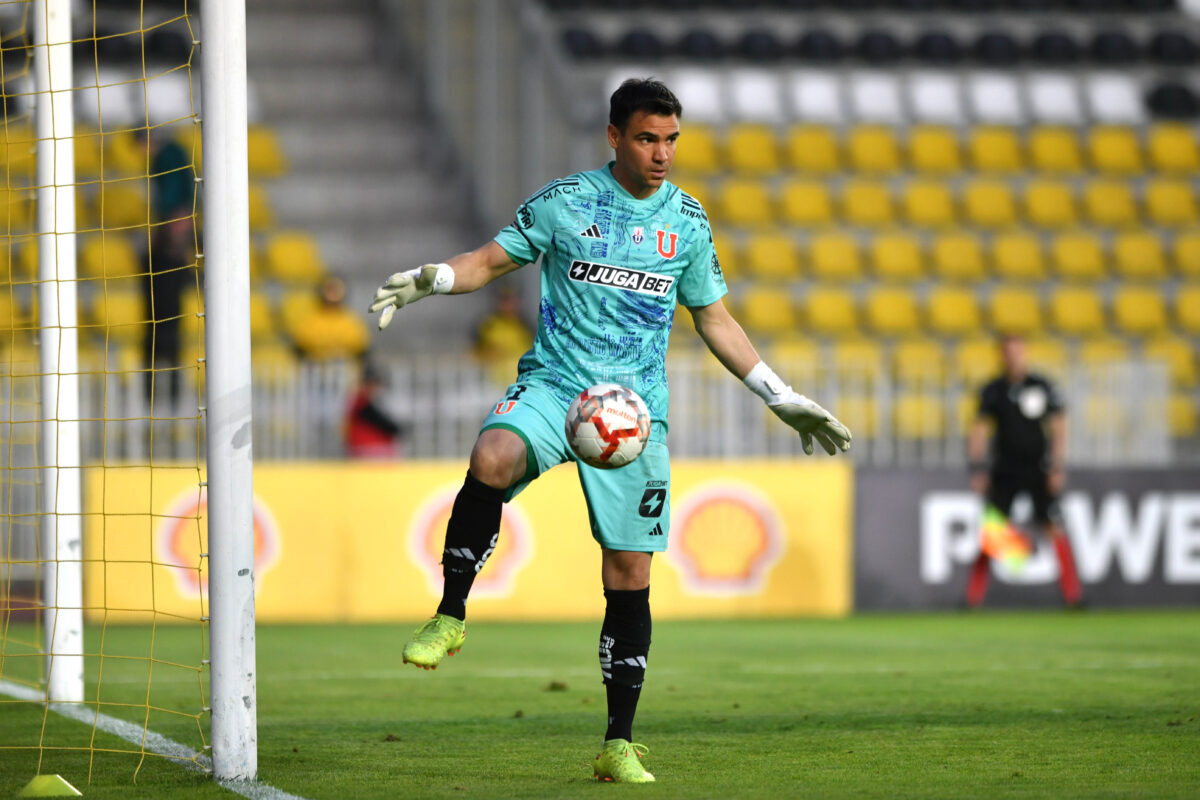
column 644, row 151
column 1013, row 352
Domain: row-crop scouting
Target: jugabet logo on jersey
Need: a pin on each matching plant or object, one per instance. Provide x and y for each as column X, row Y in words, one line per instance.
column 631, row 280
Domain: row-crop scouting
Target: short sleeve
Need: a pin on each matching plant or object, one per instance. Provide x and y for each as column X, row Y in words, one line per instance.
column 988, row 401
column 1054, row 399
column 702, row 282
column 532, row 230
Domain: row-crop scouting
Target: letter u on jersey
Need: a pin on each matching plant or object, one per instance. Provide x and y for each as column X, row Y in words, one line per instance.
column 665, row 250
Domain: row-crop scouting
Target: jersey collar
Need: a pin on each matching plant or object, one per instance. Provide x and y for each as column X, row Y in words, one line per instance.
column 658, row 198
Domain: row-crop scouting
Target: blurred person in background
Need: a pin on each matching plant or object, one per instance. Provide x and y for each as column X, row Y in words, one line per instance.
column 170, row 271
column 503, row 336
column 1017, row 444
column 619, row 247
column 331, row 331
column 371, row 432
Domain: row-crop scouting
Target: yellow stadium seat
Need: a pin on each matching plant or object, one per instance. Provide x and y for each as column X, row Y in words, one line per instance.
column 728, row 253
column 872, row 149
column 1050, row 204
column 1139, row 255
column 1102, row 350
column 274, row 361
column 806, row 203
column 744, row 201
column 953, row 311
column 1187, row 309
column 830, row 311
column 958, row 257
column 1076, row 311
column 1179, row 356
column 696, row 150
column 1078, row 256
column 120, row 315
column 1055, row 149
column 87, row 152
column 977, row 360
column 928, row 204
column 1139, row 311
column 262, row 317
column 866, row 203
column 799, row 354
column 813, row 149
column 768, row 311
column 858, row 411
column 1172, row 148
column 1015, row 310
column 892, row 311
column 1187, row 255
column 834, row 257
column 16, row 210
column 857, row 360
column 995, row 149
column 989, row 204
column 772, row 256
column 1170, row 201
column 919, row 415
column 108, row 255
column 751, row 149
column 191, row 321
column 934, row 149
column 265, row 157
column 294, row 257
column 918, row 360
column 897, row 257
column 1018, row 256
column 18, row 148
column 125, row 155
column 294, row 306
column 262, row 217
column 1181, row 414
column 1109, row 203
column 1115, row 149
column 1047, row 356
column 121, row 204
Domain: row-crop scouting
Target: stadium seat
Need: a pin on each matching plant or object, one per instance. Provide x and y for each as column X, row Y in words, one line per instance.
column 1186, row 251
column 866, row 203
column 1054, row 48
column 751, row 149
column 1172, row 148
column 1181, row 414
column 995, row 149
column 1102, row 350
column 1050, row 204
column 872, row 149
column 1115, row 150
column 1054, row 98
column 834, row 257
column 755, row 95
column 875, row 97
column 728, row 253
column 294, row 306
column 857, row 360
column 953, row 311
column 1078, row 257
column 16, row 210
column 806, row 203
column 1170, row 202
column 274, row 361
column 768, row 311
column 891, row 311
column 958, row 257
column 896, row 257
column 1138, row 255
column 1139, row 311
column 1115, row 98
column 1048, row 356
column 819, row 45
column 265, row 157
column 919, row 415
column 830, row 311
column 1114, row 47
column 772, row 256
column 262, row 217
column 121, row 204
column 1015, row 310
column 1018, row 256
column 934, row 149
column 996, row 49
column 812, row 149
column 108, row 255
column 125, row 155
column 262, row 317
column 191, row 319
column 989, row 204
column 1076, row 311
column 1187, row 309
column 800, row 355
column 699, row 91
column 1109, row 203
column 1179, row 356
column 88, row 150
column 934, row 97
column 928, row 204
column 1172, row 48
column 918, row 360
column 816, row 97
column 640, row 45
column 878, row 47
column 745, row 202
column 696, row 150
column 976, row 360
column 294, row 257
column 858, row 410
column 995, row 98
column 120, row 314
column 1055, row 149
column 1173, row 99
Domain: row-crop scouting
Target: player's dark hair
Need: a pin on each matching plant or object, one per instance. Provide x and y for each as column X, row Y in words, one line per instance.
column 641, row 94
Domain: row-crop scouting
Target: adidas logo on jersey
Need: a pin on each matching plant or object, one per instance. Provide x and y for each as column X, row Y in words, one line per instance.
column 591, row 233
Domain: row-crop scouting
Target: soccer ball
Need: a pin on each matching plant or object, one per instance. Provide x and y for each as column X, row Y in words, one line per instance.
column 608, row 425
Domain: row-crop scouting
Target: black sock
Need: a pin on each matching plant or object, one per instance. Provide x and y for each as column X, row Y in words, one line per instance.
column 624, row 645
column 471, row 536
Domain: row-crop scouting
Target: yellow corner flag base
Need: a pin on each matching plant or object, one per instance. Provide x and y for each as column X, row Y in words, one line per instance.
column 49, row 786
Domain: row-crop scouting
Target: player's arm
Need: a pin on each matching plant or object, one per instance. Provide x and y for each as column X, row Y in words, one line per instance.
column 463, row 273
column 1056, row 471
column 729, row 343
column 977, row 452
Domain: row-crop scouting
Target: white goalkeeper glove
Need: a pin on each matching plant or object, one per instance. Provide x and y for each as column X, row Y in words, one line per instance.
column 798, row 412
column 410, row 286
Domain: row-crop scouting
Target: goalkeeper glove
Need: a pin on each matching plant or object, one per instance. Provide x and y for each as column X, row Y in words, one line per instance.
column 408, row 287
column 798, row 412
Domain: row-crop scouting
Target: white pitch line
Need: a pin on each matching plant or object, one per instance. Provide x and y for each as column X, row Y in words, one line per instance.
column 149, row 740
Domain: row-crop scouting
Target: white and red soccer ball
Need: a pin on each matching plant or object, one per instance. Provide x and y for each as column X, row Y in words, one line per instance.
column 608, row 425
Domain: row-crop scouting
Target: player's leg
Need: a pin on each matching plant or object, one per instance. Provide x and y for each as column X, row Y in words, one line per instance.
column 1000, row 494
column 1047, row 515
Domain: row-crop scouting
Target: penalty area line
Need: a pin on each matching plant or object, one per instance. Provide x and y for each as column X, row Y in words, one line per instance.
column 150, row 741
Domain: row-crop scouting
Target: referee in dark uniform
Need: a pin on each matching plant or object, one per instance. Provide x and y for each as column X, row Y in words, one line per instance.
column 1017, row 445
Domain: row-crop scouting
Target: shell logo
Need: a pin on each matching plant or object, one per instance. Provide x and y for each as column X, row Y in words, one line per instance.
column 514, row 549
column 725, row 539
column 182, row 542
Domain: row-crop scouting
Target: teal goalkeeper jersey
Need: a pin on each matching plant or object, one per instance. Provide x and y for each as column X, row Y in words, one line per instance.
column 613, row 268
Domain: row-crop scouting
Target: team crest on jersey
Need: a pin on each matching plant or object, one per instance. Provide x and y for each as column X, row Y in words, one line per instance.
column 638, row 236
column 631, row 280
column 666, row 243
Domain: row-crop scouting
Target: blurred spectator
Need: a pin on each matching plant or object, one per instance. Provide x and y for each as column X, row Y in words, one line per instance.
column 172, row 179
column 503, row 336
column 370, row 431
column 330, row 330
column 170, row 272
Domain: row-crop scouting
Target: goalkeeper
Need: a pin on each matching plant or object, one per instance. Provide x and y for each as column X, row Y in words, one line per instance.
column 620, row 246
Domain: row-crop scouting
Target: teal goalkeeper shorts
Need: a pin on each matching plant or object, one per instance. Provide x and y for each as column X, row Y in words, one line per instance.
column 629, row 508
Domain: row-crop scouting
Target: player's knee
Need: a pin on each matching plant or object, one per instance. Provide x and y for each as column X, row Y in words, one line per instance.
column 498, row 458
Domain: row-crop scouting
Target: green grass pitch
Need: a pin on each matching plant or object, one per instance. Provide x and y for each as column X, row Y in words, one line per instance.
column 1050, row 704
